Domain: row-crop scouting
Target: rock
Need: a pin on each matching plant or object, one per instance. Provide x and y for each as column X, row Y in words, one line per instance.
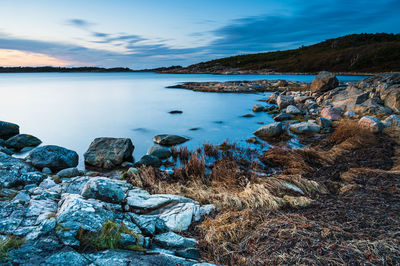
column 159, row 151
column 391, row 97
column 373, row 106
column 104, row 189
column 108, row 153
column 293, row 110
column 270, row 130
column 21, row 141
column 175, row 112
column 69, row 172
column 323, row 122
column 349, row 114
column 47, row 183
column 148, row 224
column 258, row 108
column 323, row 82
column 8, row 130
column 284, row 101
column 248, row 115
column 54, row 157
column 281, row 83
column 301, row 99
column 392, row 121
column 76, row 212
column 283, row 117
column 169, row 140
column 179, row 217
column 173, row 240
column 126, row 164
column 22, row 197
column 47, row 171
column 16, row 172
column 305, row 127
column 5, row 150
column 330, row 113
column 272, row 98
column 148, row 160
column 371, row 123
column 70, row 257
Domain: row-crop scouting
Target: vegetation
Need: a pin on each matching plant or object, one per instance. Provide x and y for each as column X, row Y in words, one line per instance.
column 366, row 53
column 10, row 243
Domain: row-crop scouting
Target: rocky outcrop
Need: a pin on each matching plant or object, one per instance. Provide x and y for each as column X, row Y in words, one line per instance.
column 323, row 82
column 108, row 153
column 169, row 140
column 305, row 128
column 270, row 130
column 21, row 141
column 371, row 123
column 8, row 130
column 54, row 157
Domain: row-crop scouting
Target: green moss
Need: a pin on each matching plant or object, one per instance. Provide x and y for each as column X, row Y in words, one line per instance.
column 12, row 242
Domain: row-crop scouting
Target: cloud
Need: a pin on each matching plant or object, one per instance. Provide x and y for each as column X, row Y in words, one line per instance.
column 80, row 23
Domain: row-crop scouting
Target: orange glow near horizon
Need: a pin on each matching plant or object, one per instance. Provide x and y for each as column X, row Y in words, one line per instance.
column 16, row 58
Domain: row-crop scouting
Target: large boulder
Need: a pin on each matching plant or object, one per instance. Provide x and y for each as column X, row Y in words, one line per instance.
column 344, row 98
column 21, row 141
column 169, row 140
column 372, row 106
column 305, row 128
column 258, row 108
column 105, row 189
column 16, row 172
column 284, row 101
column 323, row 82
column 391, row 97
column 270, row 130
column 8, row 130
column 54, row 157
column 371, row 123
column 108, row 153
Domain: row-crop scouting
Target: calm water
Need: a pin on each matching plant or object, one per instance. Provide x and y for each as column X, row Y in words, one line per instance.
column 71, row 109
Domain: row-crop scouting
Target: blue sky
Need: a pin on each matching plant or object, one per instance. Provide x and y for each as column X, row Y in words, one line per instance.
column 143, row 34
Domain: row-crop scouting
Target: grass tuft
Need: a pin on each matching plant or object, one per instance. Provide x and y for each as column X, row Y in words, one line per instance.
column 10, row 243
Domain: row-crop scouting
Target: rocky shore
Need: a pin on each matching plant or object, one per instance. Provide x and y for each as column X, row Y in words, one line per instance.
column 334, row 201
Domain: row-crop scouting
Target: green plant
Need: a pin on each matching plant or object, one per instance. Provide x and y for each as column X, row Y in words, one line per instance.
column 10, row 243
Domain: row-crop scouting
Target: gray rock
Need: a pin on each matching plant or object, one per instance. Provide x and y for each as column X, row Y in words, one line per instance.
column 128, row 240
column 372, row 106
column 46, row 171
column 258, row 108
column 349, row 114
column 148, row 160
column 270, row 130
column 54, row 157
column 323, row 82
column 8, row 130
column 284, row 101
column 330, row 113
column 305, row 127
column 69, row 172
column 173, row 240
column 391, row 97
column 392, row 121
column 15, row 172
column 323, row 122
column 104, row 189
column 178, row 217
column 148, row 224
column 293, row 110
column 109, row 153
column 169, row 140
column 47, row 183
column 5, row 150
column 22, row 197
column 21, row 141
column 283, row 117
column 159, row 151
column 67, row 258
column 371, row 123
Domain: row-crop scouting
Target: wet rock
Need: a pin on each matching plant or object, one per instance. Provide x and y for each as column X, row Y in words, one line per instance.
column 148, row 160
column 392, row 121
column 69, row 172
column 54, row 157
column 305, row 128
column 47, row 183
column 248, row 115
column 69, row 257
column 169, row 140
column 21, row 141
column 8, row 130
column 371, row 123
column 16, row 172
column 108, row 153
column 283, row 117
column 270, row 130
column 258, row 108
column 323, row 82
column 46, row 171
column 5, row 150
column 148, row 224
column 173, row 240
column 105, row 189
column 293, row 110
column 330, row 113
column 175, row 112
column 159, row 151
column 372, row 106
column 22, row 197
column 284, row 101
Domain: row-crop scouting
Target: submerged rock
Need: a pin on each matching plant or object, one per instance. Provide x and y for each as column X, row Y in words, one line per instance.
column 148, row 160
column 371, row 123
column 21, row 141
column 159, row 151
column 323, row 82
column 109, row 153
column 258, row 108
column 8, row 130
column 169, row 140
column 54, row 157
column 270, row 130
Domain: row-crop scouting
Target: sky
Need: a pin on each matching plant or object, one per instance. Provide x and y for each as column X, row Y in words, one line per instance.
column 151, row 33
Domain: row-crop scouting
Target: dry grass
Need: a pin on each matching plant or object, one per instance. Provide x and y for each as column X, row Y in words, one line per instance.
column 211, row 150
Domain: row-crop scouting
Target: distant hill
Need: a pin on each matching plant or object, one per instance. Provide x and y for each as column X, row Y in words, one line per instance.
column 362, row 53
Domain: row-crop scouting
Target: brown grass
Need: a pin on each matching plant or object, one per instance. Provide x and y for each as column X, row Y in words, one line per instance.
column 211, row 150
